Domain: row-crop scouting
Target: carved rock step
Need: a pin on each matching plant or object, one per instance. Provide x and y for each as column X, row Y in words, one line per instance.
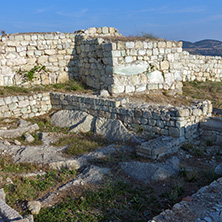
column 159, row 147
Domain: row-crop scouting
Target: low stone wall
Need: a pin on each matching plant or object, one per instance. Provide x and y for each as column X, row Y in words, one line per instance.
column 212, row 130
column 201, row 68
column 167, row 121
column 25, row 106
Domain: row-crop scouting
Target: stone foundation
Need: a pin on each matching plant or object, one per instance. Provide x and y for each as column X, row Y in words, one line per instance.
column 159, row 120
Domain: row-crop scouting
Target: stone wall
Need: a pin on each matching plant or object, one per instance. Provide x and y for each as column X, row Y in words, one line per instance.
column 25, row 106
column 139, row 66
column 201, row 68
column 103, row 62
column 19, row 53
column 168, row 121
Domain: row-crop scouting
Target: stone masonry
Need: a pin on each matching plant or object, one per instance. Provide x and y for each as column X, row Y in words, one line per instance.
column 103, row 62
column 160, row 120
column 25, row 106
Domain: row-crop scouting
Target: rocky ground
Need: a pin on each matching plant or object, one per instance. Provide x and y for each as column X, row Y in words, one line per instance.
column 171, row 178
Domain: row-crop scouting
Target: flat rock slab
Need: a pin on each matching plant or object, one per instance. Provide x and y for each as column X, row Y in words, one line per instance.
column 14, row 133
column 8, row 213
column 147, row 172
column 33, row 154
column 159, row 147
column 90, row 175
column 213, row 123
column 203, row 206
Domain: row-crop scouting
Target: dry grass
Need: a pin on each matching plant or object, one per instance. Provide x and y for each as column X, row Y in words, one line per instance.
column 204, row 91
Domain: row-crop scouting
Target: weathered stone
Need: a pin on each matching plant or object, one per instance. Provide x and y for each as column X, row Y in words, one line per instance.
column 85, row 125
column 91, row 175
column 23, row 123
column 13, row 133
column 155, row 77
column 68, row 118
column 113, row 130
column 34, row 206
column 29, row 138
column 2, row 194
column 218, row 170
column 147, row 172
column 104, row 93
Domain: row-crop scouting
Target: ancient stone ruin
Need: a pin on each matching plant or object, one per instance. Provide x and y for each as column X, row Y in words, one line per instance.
column 105, row 60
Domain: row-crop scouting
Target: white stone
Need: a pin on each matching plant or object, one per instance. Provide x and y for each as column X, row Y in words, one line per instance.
column 155, row 77
column 132, row 69
column 50, row 52
column 130, row 45
column 34, row 206
column 128, row 59
column 130, row 89
column 116, row 89
column 105, row 30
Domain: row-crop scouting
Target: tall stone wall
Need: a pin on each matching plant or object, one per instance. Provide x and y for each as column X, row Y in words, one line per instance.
column 201, row 68
column 19, row 53
column 139, row 66
column 102, row 62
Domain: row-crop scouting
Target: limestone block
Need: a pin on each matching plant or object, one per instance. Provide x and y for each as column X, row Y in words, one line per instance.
column 34, row 206
column 169, row 44
column 30, row 53
column 155, row 51
column 128, row 59
column 142, row 52
column 12, row 43
column 112, row 30
column 169, row 78
column 21, row 48
column 130, row 45
column 164, row 65
column 176, row 132
column 7, row 100
column 38, row 53
column 155, row 77
column 19, row 37
column 53, row 58
column 62, row 77
column 91, row 31
column 116, row 89
column 130, row 89
column 43, row 59
column 116, row 53
column 50, row 52
column 105, row 30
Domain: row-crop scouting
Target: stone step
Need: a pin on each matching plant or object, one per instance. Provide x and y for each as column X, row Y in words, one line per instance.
column 159, row 147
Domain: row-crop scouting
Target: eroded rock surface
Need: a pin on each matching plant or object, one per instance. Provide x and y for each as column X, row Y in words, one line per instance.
column 113, row 130
column 76, row 121
column 147, row 172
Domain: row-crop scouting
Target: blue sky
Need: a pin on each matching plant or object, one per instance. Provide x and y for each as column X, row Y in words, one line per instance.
column 190, row 20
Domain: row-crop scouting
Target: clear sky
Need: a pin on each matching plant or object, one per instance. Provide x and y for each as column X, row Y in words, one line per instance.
column 190, row 20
